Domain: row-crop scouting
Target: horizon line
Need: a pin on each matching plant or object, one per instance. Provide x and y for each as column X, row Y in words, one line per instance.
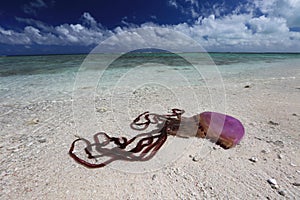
column 209, row 52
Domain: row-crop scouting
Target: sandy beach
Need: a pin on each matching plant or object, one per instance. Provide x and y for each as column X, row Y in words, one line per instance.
column 38, row 125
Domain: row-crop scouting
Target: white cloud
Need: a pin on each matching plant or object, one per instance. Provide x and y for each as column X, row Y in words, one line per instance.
column 246, row 31
column 12, row 37
column 89, row 20
column 173, row 3
column 153, row 17
column 37, row 32
column 234, row 32
column 38, row 4
column 148, row 35
column 194, row 13
column 36, row 23
column 288, row 9
column 243, row 32
column 193, row 2
column 269, row 25
column 34, row 6
column 127, row 24
column 77, row 34
column 187, row 7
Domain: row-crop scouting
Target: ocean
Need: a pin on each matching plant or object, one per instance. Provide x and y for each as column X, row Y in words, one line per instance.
column 52, row 77
column 57, row 64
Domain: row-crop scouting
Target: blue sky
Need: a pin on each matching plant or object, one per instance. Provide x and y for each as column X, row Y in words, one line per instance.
column 52, row 26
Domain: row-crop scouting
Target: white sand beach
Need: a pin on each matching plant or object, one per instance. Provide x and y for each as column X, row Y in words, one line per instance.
column 40, row 117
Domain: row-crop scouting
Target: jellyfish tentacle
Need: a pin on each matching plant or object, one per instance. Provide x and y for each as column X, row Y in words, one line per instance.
column 223, row 129
column 81, row 161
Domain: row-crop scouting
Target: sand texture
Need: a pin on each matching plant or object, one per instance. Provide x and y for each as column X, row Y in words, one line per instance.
column 38, row 129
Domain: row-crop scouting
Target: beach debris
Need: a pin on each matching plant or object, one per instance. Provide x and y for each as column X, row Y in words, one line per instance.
column 253, row 159
column 195, row 158
column 274, row 186
column 273, row 183
column 154, row 177
column 266, row 151
column 293, row 164
column 294, row 114
column 247, row 86
column 225, row 130
column 258, row 138
column 29, row 144
column 276, row 143
column 280, row 156
column 214, row 148
column 85, row 88
column 33, row 121
column 36, row 120
column 101, row 109
column 296, row 184
column 29, row 107
column 273, row 123
column 42, row 140
column 13, row 148
column 282, row 192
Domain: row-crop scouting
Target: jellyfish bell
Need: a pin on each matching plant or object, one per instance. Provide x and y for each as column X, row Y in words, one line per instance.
column 226, row 130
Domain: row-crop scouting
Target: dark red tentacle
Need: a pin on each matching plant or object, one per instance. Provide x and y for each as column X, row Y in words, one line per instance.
column 140, row 145
column 81, row 161
column 145, row 145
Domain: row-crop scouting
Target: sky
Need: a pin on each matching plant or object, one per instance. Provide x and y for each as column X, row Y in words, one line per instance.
column 66, row 27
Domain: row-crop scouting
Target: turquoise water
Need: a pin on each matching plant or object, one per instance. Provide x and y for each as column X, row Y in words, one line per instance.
column 35, row 80
column 236, row 58
column 31, row 65
column 30, row 78
column 51, row 64
column 24, row 78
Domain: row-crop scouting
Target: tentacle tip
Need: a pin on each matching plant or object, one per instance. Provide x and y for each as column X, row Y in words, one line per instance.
column 78, row 137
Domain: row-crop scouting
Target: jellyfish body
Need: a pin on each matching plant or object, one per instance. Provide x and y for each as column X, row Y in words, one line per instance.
column 226, row 130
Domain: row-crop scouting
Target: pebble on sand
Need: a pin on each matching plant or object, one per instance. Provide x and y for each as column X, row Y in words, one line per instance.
column 280, row 156
column 282, row 192
column 296, row 184
column 253, row 159
column 34, row 121
column 266, row 151
column 273, row 123
column 154, row 177
column 101, row 109
column 293, row 164
column 273, row 183
column 195, row 158
column 41, row 140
